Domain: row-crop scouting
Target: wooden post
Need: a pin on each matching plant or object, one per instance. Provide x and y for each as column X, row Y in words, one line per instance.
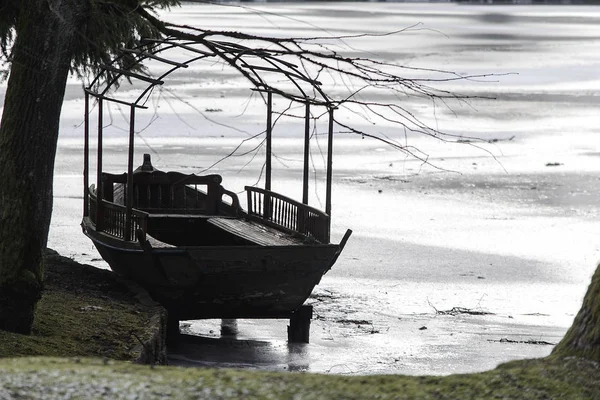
column 329, row 164
column 306, row 154
column 99, row 196
column 269, row 134
column 173, row 331
column 129, row 198
column 267, row 204
column 86, row 157
column 301, row 217
column 299, row 327
column 229, row 328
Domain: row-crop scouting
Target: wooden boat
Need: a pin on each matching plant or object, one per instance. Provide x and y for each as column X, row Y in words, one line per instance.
column 203, row 257
column 187, row 240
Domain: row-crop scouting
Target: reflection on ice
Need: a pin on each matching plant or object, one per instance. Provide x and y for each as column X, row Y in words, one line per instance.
column 214, row 349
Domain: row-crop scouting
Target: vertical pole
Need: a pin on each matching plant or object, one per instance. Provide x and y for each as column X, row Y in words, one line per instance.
column 99, row 194
column 86, row 156
column 129, row 198
column 267, row 204
column 306, row 154
column 329, row 163
column 269, row 128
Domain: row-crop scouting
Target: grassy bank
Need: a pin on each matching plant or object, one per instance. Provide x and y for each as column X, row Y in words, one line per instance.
column 46, row 378
column 87, row 312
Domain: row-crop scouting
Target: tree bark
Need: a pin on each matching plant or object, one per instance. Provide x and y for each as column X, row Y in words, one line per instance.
column 28, row 138
column 583, row 337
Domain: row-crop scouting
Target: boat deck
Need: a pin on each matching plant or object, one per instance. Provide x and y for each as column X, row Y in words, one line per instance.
column 256, row 233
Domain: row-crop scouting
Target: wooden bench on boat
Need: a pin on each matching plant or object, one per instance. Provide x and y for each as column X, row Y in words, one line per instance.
column 172, row 193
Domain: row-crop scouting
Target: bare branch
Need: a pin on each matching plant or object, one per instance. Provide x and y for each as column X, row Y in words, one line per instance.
column 313, row 70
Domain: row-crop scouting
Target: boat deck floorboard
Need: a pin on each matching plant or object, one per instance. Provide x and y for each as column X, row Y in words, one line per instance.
column 256, row 233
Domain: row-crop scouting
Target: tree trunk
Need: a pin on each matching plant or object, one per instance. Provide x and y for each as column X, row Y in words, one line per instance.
column 583, row 337
column 28, row 134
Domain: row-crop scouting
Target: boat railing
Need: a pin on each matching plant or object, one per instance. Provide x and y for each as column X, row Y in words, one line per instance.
column 113, row 219
column 287, row 214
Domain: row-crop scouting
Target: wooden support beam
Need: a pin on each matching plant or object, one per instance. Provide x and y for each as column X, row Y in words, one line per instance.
column 99, row 195
column 86, row 157
column 306, row 154
column 129, row 188
column 329, row 164
column 269, row 140
column 299, row 327
column 267, row 205
column 99, row 96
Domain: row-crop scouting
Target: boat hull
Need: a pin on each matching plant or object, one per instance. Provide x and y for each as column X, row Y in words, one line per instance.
column 199, row 282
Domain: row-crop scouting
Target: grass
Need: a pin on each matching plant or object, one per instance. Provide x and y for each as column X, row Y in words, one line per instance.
column 84, row 312
column 50, row 378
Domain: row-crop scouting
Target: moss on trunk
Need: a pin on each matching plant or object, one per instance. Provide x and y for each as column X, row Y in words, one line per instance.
column 18, row 299
column 583, row 338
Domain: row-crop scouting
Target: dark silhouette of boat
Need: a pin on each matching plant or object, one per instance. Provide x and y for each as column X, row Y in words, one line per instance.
column 202, row 256
column 187, row 240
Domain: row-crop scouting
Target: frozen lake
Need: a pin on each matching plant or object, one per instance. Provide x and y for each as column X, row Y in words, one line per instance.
column 507, row 229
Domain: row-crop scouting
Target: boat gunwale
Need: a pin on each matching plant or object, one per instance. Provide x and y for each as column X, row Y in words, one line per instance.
column 135, row 246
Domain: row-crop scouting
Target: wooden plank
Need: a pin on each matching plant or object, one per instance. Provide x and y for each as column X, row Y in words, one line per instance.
column 157, row 244
column 256, row 233
column 178, row 216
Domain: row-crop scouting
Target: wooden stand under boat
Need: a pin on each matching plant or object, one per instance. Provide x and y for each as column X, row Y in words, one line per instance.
column 187, row 240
